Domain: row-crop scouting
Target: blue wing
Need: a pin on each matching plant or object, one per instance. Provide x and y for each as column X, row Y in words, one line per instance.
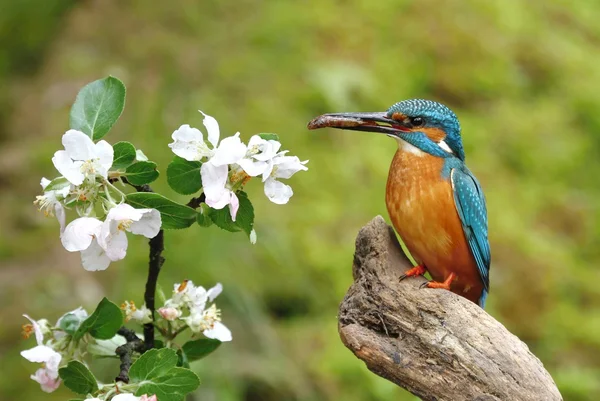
column 470, row 204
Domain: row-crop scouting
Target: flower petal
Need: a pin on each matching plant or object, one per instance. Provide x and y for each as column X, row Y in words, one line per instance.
column 253, row 168
column 219, row 332
column 44, row 182
column 41, row 354
column 230, row 150
column 278, row 192
column 148, row 225
column 105, row 155
column 124, row 211
column 94, row 258
column 59, row 211
column 39, row 336
column 214, row 292
column 287, row 166
column 67, row 167
column 213, row 182
column 212, row 129
column 47, row 379
column 78, row 145
column 187, row 142
column 113, row 240
column 79, row 233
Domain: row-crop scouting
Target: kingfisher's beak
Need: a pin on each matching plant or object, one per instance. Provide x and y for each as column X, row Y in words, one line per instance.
column 370, row 122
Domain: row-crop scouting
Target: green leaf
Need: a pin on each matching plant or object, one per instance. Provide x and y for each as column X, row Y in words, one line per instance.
column 245, row 215
column 184, row 176
column 103, row 323
column 124, row 155
column 97, row 107
column 173, row 214
column 269, row 137
column 152, row 364
column 141, row 173
column 203, row 217
column 198, row 349
column 172, row 386
column 57, row 184
column 182, row 359
column 78, row 378
column 222, row 219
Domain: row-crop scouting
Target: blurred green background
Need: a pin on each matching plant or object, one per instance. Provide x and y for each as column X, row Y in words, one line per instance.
column 523, row 77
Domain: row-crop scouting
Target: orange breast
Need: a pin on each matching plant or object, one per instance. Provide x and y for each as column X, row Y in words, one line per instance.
column 421, row 206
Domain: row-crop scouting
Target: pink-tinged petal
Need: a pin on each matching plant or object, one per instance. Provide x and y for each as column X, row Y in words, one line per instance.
column 214, row 292
column 105, row 155
column 148, row 225
column 41, row 354
column 212, row 129
column 48, row 382
column 278, row 192
column 234, row 205
column 252, row 168
column 187, row 142
column 69, row 169
column 219, row 332
column 78, row 145
column 219, row 203
column 146, row 398
column 213, row 183
column 79, row 233
column 39, row 336
column 230, row 150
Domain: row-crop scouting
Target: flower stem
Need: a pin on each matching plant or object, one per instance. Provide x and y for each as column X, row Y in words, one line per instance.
column 125, row 352
column 157, row 245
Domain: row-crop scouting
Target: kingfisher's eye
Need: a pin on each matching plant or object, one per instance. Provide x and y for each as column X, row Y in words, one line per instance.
column 417, row 121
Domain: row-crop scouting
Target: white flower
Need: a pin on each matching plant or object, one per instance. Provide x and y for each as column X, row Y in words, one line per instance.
column 191, row 296
column 253, row 237
column 46, row 376
column 283, row 167
column 125, row 397
column 82, row 158
column 50, row 202
column 124, row 217
column 81, row 235
column 142, row 315
column 189, row 144
column 103, row 242
column 259, row 157
column 209, row 323
column 169, row 313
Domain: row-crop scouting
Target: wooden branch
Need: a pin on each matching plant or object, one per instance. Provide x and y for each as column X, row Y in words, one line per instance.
column 435, row 344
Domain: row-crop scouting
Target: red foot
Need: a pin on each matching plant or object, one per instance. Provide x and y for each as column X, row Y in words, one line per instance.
column 445, row 285
column 418, row 270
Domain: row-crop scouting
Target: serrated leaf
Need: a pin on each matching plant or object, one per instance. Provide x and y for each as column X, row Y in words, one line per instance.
column 57, row 184
column 103, row 323
column 172, row 386
column 245, row 215
column 78, row 378
column 198, row 349
column 173, row 214
column 124, row 155
column 203, row 217
column 184, row 176
column 152, row 364
column 141, row 173
column 222, row 219
column 269, row 137
column 97, row 107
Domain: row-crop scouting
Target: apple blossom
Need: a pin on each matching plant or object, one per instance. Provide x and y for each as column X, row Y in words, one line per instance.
column 50, row 201
column 47, row 375
column 82, row 158
column 283, row 167
column 169, row 313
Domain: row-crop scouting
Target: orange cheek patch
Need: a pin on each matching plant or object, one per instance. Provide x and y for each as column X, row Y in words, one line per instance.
column 398, row 116
column 435, row 134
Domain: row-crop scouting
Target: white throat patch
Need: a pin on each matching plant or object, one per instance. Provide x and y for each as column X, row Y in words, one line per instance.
column 407, row 147
column 442, row 144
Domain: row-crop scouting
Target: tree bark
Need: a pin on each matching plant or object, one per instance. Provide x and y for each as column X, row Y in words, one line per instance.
column 437, row 345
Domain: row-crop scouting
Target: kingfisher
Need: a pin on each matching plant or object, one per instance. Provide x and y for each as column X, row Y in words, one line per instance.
column 435, row 203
